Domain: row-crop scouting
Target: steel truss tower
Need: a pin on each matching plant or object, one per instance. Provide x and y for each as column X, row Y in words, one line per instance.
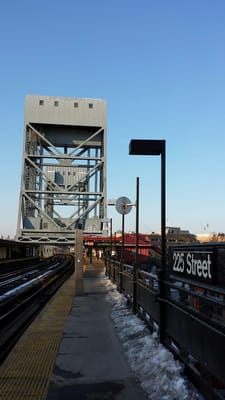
column 63, row 183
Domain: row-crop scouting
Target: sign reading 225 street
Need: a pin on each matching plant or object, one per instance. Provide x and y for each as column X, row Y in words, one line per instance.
column 193, row 264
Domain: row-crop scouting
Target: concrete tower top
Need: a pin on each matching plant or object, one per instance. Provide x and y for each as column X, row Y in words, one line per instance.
column 65, row 111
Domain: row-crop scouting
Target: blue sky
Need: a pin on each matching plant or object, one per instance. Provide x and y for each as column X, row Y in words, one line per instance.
column 160, row 65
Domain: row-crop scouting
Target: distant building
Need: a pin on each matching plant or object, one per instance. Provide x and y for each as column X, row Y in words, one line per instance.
column 203, row 237
column 173, row 235
column 211, row 237
column 173, row 230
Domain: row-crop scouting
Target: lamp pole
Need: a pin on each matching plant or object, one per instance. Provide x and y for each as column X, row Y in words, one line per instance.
column 156, row 148
column 136, row 248
column 110, row 256
column 162, row 272
column 122, row 254
column 137, row 220
column 123, row 206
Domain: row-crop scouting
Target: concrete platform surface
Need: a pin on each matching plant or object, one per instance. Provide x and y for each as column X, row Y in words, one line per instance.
column 91, row 364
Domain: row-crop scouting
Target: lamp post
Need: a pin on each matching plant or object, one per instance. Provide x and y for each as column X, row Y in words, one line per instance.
column 110, row 256
column 147, row 147
column 136, row 248
column 123, row 206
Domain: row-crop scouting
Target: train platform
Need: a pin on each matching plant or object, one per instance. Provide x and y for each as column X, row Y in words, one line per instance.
column 71, row 350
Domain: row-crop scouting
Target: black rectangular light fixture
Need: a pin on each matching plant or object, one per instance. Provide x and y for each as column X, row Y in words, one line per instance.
column 145, row 147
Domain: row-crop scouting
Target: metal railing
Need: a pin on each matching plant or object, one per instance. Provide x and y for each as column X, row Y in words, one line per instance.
column 193, row 320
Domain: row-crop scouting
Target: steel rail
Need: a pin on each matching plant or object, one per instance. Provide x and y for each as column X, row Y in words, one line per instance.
column 18, row 307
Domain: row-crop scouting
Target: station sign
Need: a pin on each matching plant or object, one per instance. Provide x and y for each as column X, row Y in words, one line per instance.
column 192, row 263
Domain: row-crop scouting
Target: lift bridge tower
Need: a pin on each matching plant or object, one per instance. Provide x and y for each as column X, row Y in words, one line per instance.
column 63, row 184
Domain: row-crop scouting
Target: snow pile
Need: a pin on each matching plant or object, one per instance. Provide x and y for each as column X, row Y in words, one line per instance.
column 159, row 373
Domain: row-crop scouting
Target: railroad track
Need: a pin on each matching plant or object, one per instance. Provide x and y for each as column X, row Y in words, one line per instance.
column 19, row 304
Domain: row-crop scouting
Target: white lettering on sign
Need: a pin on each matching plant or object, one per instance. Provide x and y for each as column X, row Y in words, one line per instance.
column 193, row 264
column 178, row 262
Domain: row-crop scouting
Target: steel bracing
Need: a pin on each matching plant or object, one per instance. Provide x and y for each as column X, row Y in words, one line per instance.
column 63, row 184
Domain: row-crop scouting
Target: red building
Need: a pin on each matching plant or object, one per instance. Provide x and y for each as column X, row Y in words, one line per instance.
column 145, row 248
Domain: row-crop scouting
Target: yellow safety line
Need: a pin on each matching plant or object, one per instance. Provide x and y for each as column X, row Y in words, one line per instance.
column 26, row 372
